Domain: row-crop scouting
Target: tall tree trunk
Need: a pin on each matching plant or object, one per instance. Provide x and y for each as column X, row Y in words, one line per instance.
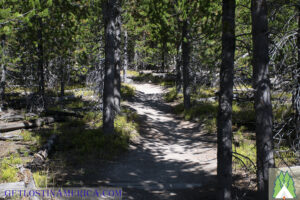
column 225, row 102
column 296, row 95
column 263, row 105
column 178, row 70
column 3, row 72
column 117, row 80
column 109, row 17
column 41, row 59
column 186, row 49
column 125, row 56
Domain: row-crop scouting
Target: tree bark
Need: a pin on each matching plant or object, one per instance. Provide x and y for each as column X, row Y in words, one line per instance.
column 262, row 104
column 224, row 167
column 117, row 80
column 125, row 56
column 186, row 48
column 41, row 58
column 178, row 71
column 163, row 52
column 109, row 16
column 136, row 57
column 296, row 95
column 62, row 78
column 3, row 74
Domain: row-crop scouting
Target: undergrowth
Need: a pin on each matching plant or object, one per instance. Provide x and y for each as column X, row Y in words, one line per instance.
column 8, row 168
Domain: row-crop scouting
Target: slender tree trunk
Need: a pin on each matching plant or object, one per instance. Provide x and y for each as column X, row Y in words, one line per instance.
column 117, row 80
column 296, row 96
column 62, row 78
column 136, row 57
column 263, row 105
column 3, row 74
column 110, row 43
column 186, row 48
column 178, row 70
column 225, row 102
column 163, row 53
column 125, row 56
column 41, row 59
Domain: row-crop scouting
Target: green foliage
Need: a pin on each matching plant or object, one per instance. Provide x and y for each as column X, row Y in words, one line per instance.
column 127, row 91
column 8, row 168
column 243, row 114
column 246, row 148
column 29, row 136
column 172, row 95
column 40, row 179
column 92, row 141
column 131, row 73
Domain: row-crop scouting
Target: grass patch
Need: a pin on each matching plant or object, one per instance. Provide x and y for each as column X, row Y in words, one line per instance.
column 41, row 179
column 246, row 155
column 285, row 157
column 8, row 168
column 127, row 91
column 172, row 95
column 243, row 114
column 282, row 111
column 75, row 86
column 131, row 73
column 29, row 136
column 204, row 92
column 85, row 137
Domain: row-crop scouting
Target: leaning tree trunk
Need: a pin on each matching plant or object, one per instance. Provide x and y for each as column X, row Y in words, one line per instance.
column 109, row 16
column 117, row 77
column 224, row 168
column 263, row 105
column 125, row 67
column 41, row 59
column 3, row 74
column 186, row 49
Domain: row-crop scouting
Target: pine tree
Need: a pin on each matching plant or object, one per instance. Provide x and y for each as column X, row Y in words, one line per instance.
column 263, row 105
column 224, row 169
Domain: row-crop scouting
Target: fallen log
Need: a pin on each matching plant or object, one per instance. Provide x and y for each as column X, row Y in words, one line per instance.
column 11, row 118
column 12, row 136
column 40, row 157
column 26, row 124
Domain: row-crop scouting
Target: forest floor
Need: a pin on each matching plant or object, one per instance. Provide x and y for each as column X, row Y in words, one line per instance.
column 173, row 159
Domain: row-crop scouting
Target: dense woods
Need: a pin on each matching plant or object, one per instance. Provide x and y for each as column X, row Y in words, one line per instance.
column 230, row 66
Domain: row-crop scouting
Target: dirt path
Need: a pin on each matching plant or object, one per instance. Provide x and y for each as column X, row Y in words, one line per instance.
column 172, row 160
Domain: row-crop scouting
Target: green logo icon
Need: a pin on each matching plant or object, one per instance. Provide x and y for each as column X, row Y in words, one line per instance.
column 284, row 187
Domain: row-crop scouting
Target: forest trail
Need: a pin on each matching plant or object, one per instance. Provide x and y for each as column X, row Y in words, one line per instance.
column 173, row 159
